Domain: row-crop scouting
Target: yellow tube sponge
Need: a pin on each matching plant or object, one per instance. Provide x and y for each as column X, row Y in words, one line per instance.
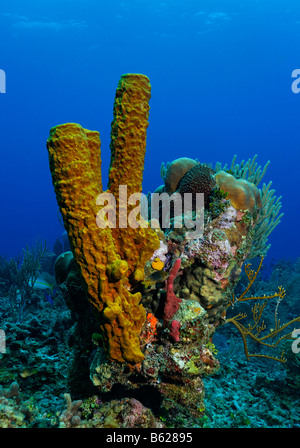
column 128, row 148
column 110, row 259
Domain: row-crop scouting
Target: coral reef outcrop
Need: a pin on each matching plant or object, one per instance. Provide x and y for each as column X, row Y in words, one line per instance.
column 199, row 179
column 159, row 293
column 174, row 171
column 243, row 195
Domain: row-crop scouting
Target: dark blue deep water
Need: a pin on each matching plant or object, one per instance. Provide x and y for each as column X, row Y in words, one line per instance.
column 221, row 85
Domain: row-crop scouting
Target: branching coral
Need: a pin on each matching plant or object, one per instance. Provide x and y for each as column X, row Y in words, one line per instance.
column 255, row 330
column 24, row 272
column 248, row 170
column 268, row 217
column 70, row 417
column 172, row 302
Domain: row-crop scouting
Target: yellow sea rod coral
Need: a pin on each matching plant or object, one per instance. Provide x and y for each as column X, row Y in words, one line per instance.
column 110, row 260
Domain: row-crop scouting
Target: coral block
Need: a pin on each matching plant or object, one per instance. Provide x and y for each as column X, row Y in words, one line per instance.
column 175, row 171
column 243, row 195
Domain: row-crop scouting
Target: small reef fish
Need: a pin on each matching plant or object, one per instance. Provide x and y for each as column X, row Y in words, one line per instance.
column 40, row 283
column 45, row 285
column 28, row 372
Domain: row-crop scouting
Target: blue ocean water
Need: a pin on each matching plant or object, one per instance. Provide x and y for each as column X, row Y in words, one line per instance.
column 221, row 76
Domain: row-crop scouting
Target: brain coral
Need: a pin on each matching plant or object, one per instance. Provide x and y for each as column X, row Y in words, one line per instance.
column 243, row 195
column 175, row 171
column 198, row 179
